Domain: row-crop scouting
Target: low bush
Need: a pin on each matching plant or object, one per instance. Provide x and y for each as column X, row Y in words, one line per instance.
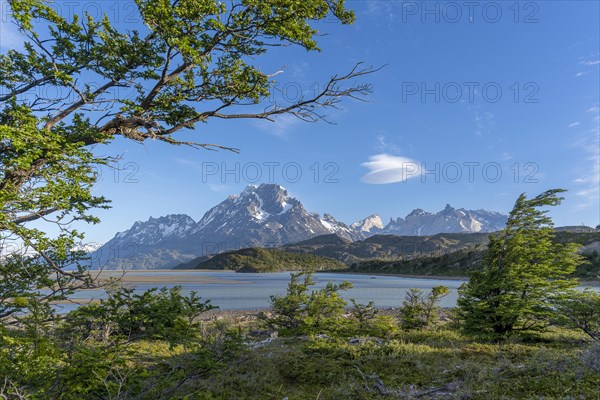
column 420, row 311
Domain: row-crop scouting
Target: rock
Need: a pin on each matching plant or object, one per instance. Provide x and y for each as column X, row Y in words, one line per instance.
column 363, row 340
column 263, row 333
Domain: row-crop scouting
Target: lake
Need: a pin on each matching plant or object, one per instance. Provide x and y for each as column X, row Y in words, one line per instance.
column 247, row 291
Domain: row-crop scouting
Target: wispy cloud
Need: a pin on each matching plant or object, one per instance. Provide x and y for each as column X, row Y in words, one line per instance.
column 586, row 62
column 594, row 109
column 386, row 168
column 153, row 174
column 10, row 37
column 385, row 145
column 484, row 123
column 282, row 125
column 588, row 181
column 186, row 162
column 380, row 8
column 299, row 70
column 574, row 124
column 218, row 188
column 505, row 156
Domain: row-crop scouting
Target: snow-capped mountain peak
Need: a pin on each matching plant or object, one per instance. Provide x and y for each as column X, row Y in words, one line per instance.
column 418, row 212
column 87, row 247
column 156, row 230
column 266, row 215
column 370, row 225
column 449, row 220
column 266, row 212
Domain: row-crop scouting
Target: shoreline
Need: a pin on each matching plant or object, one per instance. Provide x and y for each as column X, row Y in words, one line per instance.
column 147, row 276
column 137, row 276
column 413, row 276
column 583, row 281
column 443, row 277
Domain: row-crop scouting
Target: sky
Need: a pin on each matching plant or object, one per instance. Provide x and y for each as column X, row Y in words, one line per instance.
column 476, row 103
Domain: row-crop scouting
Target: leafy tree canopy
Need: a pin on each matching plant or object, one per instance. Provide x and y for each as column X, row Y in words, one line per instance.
column 524, row 272
column 188, row 62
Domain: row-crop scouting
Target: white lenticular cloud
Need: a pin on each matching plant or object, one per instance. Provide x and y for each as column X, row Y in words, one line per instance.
column 386, row 168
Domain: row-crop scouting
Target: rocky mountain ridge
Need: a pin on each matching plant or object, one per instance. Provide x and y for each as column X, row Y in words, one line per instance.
column 266, row 216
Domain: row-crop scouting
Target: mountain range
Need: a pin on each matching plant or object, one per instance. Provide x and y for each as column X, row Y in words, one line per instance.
column 266, row 216
column 443, row 254
column 380, row 247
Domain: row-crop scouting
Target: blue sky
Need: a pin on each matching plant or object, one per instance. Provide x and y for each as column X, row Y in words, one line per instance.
column 473, row 107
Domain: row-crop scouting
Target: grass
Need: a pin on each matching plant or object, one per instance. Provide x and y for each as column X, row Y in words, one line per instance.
column 441, row 364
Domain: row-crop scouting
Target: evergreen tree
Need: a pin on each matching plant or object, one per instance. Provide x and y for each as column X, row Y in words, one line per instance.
column 524, row 272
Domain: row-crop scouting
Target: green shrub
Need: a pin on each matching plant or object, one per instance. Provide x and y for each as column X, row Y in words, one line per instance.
column 581, row 310
column 419, row 311
column 164, row 314
column 367, row 322
column 591, row 357
column 300, row 312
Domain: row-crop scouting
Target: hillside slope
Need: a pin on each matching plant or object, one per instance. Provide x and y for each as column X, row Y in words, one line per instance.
column 461, row 262
column 264, row 260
